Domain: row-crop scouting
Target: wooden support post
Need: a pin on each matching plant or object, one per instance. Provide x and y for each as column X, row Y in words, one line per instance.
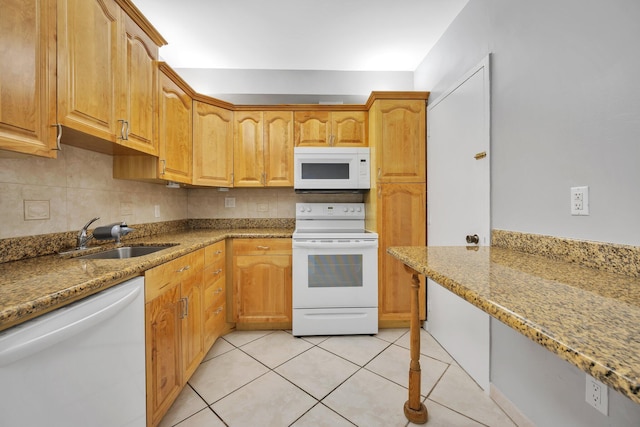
column 414, row 409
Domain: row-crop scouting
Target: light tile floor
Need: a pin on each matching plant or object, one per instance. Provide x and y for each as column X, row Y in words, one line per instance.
column 272, row 379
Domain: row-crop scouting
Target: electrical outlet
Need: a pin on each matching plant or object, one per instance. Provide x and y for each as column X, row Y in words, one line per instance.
column 229, row 202
column 580, row 201
column 597, row 395
column 156, row 211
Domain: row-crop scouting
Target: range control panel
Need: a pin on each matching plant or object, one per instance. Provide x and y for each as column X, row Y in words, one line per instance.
column 329, row 210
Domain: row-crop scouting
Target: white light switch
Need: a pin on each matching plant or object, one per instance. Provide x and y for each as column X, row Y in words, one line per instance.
column 156, row 211
column 580, row 201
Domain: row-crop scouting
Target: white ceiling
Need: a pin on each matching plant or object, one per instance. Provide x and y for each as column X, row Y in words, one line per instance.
column 345, row 35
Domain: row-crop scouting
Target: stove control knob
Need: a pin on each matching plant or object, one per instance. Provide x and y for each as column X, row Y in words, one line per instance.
column 351, row 209
column 345, row 209
column 358, row 209
column 301, row 208
column 308, row 209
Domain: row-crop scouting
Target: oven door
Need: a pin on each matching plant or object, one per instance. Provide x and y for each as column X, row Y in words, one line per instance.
column 335, row 273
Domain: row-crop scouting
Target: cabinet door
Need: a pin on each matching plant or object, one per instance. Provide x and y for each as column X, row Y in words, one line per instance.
column 349, row 129
column 400, row 140
column 403, row 223
column 89, row 65
column 27, row 77
column 248, row 150
column 164, row 364
column 278, row 148
column 139, row 102
column 191, row 292
column 212, row 145
column 263, row 288
column 312, row 129
column 174, row 132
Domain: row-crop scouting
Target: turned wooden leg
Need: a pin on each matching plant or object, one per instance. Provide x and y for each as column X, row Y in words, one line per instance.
column 414, row 409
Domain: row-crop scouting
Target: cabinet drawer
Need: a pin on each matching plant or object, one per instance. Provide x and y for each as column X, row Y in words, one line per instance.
column 163, row 276
column 214, row 272
column 262, row 246
column 212, row 292
column 214, row 253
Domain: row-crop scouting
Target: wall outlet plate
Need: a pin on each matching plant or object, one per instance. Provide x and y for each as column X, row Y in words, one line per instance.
column 597, row 395
column 229, row 202
column 580, row 201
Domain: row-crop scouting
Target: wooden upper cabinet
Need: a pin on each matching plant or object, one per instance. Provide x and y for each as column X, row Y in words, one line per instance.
column 248, row 149
column 263, row 149
column 89, row 66
column 278, row 148
column 174, row 131
column 313, row 129
column 139, row 102
column 212, row 145
column 349, row 129
column 397, row 133
column 330, row 128
column 107, row 75
column 27, row 76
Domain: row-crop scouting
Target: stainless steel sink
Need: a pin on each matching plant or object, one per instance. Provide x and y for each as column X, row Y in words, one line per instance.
column 125, row 252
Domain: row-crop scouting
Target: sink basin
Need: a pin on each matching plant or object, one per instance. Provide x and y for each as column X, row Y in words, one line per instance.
column 125, row 252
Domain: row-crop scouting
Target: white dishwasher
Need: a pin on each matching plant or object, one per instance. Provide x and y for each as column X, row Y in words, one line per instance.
column 80, row 365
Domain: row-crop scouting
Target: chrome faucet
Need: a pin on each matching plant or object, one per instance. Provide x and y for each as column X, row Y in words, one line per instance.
column 83, row 238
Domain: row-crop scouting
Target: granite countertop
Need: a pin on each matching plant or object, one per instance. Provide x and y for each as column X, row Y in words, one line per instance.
column 588, row 317
column 35, row 286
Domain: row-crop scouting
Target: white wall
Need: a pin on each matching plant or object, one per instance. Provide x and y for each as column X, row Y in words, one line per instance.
column 294, row 86
column 565, row 93
column 565, row 110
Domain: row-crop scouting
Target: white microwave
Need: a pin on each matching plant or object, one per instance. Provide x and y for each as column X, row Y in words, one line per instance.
column 331, row 168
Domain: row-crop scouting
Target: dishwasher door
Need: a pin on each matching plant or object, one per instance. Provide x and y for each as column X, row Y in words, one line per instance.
column 81, row 365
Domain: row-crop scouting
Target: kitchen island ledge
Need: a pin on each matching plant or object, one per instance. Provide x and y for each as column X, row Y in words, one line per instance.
column 586, row 316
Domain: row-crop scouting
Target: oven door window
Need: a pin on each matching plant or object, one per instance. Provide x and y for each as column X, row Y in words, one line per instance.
column 335, row 271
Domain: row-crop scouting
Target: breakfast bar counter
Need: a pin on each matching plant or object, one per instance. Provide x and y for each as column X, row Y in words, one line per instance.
column 586, row 316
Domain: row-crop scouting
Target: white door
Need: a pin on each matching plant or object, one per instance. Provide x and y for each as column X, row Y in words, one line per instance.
column 458, row 200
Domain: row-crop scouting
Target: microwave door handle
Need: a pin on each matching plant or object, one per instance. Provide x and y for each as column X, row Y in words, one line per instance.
column 335, row 245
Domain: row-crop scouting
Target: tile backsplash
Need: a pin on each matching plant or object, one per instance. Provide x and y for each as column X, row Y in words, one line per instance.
column 41, row 196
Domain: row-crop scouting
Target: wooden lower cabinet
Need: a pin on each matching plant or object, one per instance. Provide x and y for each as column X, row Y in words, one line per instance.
column 174, row 329
column 262, row 283
column 401, row 221
column 214, row 293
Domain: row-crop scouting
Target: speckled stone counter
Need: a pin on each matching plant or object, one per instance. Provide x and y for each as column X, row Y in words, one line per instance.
column 34, row 286
column 588, row 317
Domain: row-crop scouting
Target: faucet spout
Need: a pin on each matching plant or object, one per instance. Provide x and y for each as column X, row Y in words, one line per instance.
column 83, row 238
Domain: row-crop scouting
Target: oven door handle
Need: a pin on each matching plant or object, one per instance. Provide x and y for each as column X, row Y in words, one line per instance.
column 372, row 243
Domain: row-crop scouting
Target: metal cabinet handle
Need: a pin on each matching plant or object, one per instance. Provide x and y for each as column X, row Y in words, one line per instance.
column 164, row 166
column 217, row 252
column 218, row 271
column 379, row 172
column 185, row 307
column 219, row 310
column 185, row 268
column 58, row 136
column 218, row 291
column 123, row 121
column 264, row 248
